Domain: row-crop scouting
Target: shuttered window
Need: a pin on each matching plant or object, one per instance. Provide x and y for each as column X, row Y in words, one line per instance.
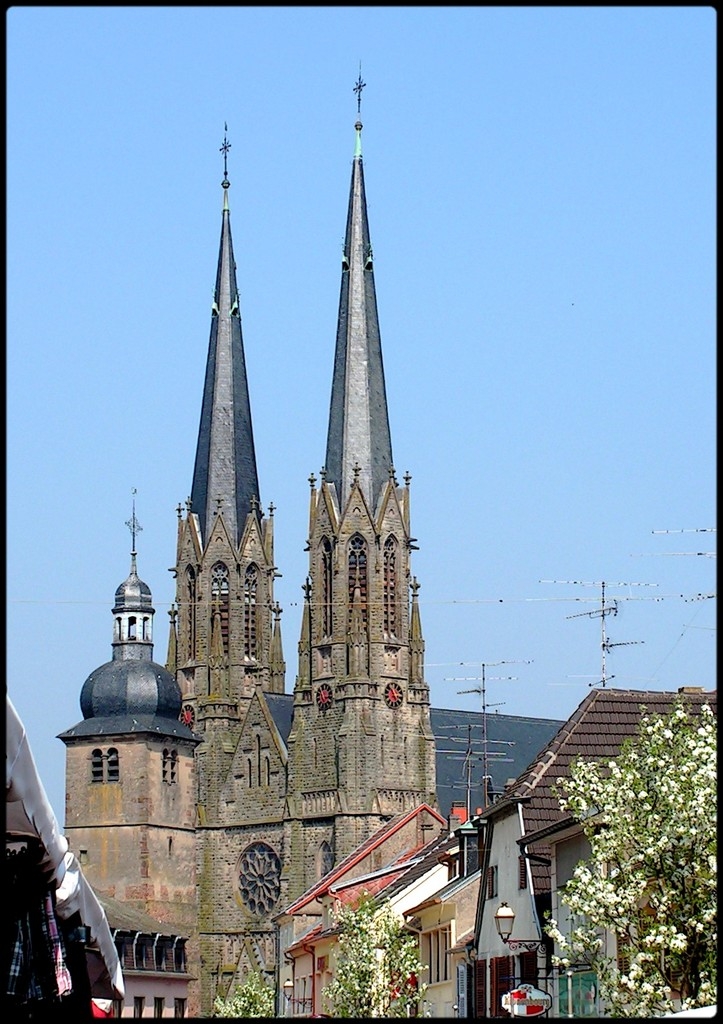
column 480, row 988
column 522, row 880
column 528, row 968
column 501, row 981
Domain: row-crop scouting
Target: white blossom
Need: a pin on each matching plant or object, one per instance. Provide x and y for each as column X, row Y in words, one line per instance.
column 651, row 879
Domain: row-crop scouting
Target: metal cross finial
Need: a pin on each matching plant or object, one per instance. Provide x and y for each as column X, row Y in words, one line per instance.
column 224, row 149
column 133, row 525
column 358, row 90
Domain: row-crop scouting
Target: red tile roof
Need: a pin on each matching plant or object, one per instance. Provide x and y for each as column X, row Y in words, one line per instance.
column 376, row 839
column 595, row 731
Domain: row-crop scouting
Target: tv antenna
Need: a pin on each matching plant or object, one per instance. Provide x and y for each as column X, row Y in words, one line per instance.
column 481, row 688
column 695, row 529
column 602, row 612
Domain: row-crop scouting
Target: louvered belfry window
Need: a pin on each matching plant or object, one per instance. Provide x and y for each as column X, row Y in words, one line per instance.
column 390, row 589
column 326, row 588
column 251, row 582
column 219, row 598
column 358, row 575
column 190, row 651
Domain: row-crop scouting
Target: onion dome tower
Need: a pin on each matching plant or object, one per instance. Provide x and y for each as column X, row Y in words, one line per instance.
column 130, row 777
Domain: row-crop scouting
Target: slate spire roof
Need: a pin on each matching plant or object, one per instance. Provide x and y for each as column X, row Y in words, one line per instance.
column 359, row 440
column 224, row 475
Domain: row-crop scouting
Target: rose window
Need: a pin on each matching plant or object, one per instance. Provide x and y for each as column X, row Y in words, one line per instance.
column 259, row 878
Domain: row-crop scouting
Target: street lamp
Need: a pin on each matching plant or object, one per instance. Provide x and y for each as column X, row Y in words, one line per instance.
column 504, row 922
column 288, row 988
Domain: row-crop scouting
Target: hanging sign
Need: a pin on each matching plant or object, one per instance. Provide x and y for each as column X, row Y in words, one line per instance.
column 526, row 1001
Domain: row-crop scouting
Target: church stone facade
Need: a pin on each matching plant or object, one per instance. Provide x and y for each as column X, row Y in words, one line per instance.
column 276, row 808
column 201, row 791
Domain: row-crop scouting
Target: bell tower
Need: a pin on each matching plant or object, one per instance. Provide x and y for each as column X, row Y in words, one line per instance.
column 225, row 639
column 361, row 747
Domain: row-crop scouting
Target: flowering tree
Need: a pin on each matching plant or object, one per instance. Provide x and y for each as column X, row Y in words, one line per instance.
column 377, row 964
column 650, row 818
column 252, row 999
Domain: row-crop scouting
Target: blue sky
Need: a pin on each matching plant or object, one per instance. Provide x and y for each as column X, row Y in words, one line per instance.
column 541, row 193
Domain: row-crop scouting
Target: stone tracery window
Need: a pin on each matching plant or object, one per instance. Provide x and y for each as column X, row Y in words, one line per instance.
column 259, row 878
column 190, row 614
column 391, row 594
column 326, row 588
column 358, row 575
column 251, row 582
column 324, row 859
column 219, row 598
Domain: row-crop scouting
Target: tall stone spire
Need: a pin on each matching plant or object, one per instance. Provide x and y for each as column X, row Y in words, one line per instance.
column 224, row 476
column 361, row 747
column 358, row 420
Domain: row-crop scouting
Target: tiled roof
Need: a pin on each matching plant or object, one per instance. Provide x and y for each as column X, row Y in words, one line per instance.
column 308, row 937
column 337, row 873
column 418, row 865
column 450, row 889
column 125, row 918
column 462, row 941
column 517, row 738
column 595, row 731
column 367, row 885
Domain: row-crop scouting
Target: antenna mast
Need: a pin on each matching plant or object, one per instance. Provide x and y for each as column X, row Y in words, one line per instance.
column 482, row 689
column 604, row 610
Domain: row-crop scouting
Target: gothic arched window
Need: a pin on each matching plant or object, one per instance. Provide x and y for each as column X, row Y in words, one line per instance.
column 358, row 575
column 190, row 630
column 324, row 859
column 170, row 761
column 251, row 583
column 326, row 588
column 113, row 765
column 391, row 590
column 219, row 598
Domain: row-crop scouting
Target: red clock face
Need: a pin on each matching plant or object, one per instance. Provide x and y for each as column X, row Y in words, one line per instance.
column 324, row 697
column 187, row 715
column 393, row 695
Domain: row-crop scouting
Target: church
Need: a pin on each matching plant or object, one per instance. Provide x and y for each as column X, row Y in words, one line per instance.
column 200, row 791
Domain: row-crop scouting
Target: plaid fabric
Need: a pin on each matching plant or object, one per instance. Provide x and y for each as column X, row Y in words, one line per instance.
column 37, row 960
column 63, row 981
